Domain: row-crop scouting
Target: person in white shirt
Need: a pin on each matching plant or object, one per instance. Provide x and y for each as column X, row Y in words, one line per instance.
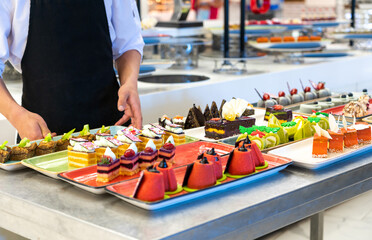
column 65, row 50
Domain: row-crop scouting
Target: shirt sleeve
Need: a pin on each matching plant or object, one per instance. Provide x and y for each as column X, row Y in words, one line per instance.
column 127, row 26
column 5, row 26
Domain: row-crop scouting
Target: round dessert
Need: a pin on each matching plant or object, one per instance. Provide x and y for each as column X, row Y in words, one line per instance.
column 201, row 175
column 310, row 107
column 214, row 158
column 326, row 104
column 351, row 97
column 151, row 186
column 241, row 162
column 170, row 182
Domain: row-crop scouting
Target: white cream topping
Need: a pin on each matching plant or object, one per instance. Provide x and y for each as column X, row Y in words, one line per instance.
column 151, row 144
column 148, row 133
column 360, row 126
column 78, row 147
column 134, row 148
column 109, row 153
column 28, row 144
column 235, row 107
column 124, row 139
column 173, row 129
column 103, row 142
column 170, row 140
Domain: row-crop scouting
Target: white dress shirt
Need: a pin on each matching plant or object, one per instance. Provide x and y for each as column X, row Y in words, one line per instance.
column 123, row 20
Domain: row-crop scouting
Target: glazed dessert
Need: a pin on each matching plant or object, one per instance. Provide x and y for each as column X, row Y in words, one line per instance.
column 295, row 96
column 257, row 155
column 320, row 143
column 63, row 143
column 129, row 161
column 336, row 143
column 350, row 135
column 303, row 39
column 103, row 142
column 108, row 167
column 24, row 150
column 148, row 156
column 168, row 151
column 320, row 90
column 199, row 175
column 126, row 137
column 46, row 146
column 195, row 118
column 170, row 182
column 150, row 186
column 363, row 133
column 262, row 40
column 288, row 39
column 232, row 118
column 4, row 152
column 152, row 133
column 283, row 99
column 276, row 39
column 85, row 133
column 214, row 158
column 240, row 162
column 282, row 114
column 82, row 155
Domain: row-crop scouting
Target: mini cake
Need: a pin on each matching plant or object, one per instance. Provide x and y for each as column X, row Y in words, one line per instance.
column 265, row 100
column 288, row 39
column 363, row 132
column 258, row 158
column 126, row 138
column 150, row 186
column 108, row 167
column 4, row 152
column 103, row 142
column 194, row 119
column 276, row 39
column 85, row 133
column 129, row 161
column 148, row 156
column 46, row 146
column 214, row 158
column 336, row 144
column 82, row 155
column 320, row 90
column 170, row 182
column 240, row 162
column 315, row 38
column 350, row 137
column 303, row 39
column 150, row 133
column 171, row 129
column 320, row 143
column 282, row 114
column 179, row 120
column 62, row 143
column 262, row 40
column 74, row 141
column 199, row 175
column 104, row 130
column 168, row 151
column 24, row 150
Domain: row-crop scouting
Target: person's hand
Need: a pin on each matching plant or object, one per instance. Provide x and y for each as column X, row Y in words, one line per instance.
column 28, row 124
column 129, row 102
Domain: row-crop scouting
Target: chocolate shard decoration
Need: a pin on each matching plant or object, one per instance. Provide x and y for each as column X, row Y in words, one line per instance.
column 138, row 185
column 163, row 164
column 207, row 113
column 204, row 160
column 200, row 156
column 187, row 174
column 221, row 106
column 229, row 162
column 199, row 116
column 192, row 119
column 214, row 110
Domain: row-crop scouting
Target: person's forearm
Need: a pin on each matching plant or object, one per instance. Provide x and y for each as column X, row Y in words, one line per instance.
column 127, row 66
column 8, row 106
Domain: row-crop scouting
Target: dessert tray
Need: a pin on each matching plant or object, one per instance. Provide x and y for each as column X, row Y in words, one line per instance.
column 85, row 178
column 301, row 154
column 125, row 189
column 291, row 46
column 56, row 163
column 337, row 111
column 368, row 119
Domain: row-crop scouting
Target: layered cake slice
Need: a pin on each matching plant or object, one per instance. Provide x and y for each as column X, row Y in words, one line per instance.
column 148, row 156
column 25, row 149
column 207, row 113
column 82, row 155
column 168, row 151
column 214, row 110
column 350, row 137
column 150, row 186
column 126, row 137
column 129, row 161
column 199, row 175
column 108, row 167
column 282, row 114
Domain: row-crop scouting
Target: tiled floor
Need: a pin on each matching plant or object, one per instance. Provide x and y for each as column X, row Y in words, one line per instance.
column 350, row 220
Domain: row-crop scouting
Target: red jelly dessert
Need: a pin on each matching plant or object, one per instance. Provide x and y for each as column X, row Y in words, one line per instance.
column 168, row 150
column 148, row 156
column 258, row 158
column 336, row 144
column 363, row 133
column 150, row 186
column 170, row 182
column 320, row 145
column 214, row 158
column 199, row 175
column 350, row 137
column 240, row 162
column 129, row 161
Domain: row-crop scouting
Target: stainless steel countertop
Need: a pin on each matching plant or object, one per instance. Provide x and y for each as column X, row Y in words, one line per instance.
column 37, row 206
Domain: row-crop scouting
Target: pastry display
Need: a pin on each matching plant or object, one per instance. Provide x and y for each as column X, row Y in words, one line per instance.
column 46, row 146
column 282, row 114
column 24, row 150
column 170, row 182
column 168, row 151
column 148, row 156
column 82, row 154
column 4, row 152
column 287, row 39
column 150, row 186
column 129, row 161
column 85, row 133
column 103, row 142
column 63, row 143
column 199, row 175
column 240, row 162
column 152, row 133
column 108, row 166
column 232, row 118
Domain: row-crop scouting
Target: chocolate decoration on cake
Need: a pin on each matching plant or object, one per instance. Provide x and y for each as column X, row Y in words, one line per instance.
column 222, row 103
column 207, row 113
column 214, row 110
column 216, row 159
column 187, row 174
column 282, row 114
column 204, row 160
column 163, row 164
column 200, row 156
column 247, row 140
column 211, row 152
column 221, row 128
column 229, row 162
column 152, row 169
column 243, row 148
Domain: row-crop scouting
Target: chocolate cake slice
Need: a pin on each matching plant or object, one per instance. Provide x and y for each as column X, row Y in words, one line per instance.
column 195, row 118
column 282, row 114
column 207, row 113
column 221, row 128
column 222, row 103
column 214, row 110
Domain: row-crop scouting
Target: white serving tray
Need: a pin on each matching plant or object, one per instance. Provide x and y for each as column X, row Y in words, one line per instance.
column 301, row 154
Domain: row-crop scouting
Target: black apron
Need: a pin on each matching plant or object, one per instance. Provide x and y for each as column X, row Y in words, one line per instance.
column 68, row 75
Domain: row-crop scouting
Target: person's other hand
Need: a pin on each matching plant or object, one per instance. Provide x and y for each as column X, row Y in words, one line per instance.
column 30, row 125
column 129, row 102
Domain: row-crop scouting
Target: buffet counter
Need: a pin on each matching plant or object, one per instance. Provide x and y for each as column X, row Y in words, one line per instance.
column 38, row 207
